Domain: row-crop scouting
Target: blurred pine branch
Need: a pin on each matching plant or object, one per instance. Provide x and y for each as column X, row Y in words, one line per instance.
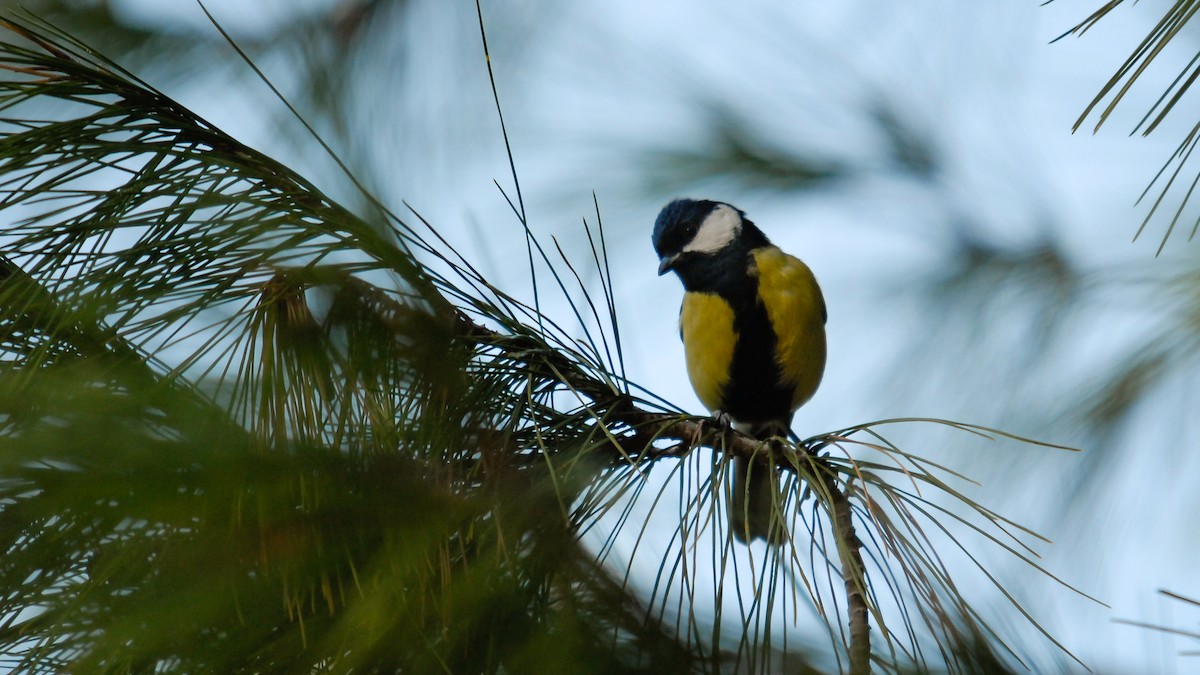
column 296, row 492
column 243, row 428
column 1192, row 635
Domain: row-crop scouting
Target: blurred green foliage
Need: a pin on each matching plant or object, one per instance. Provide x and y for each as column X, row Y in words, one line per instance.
column 353, row 489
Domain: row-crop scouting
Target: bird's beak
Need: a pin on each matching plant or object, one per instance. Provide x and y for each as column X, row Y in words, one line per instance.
column 667, row 264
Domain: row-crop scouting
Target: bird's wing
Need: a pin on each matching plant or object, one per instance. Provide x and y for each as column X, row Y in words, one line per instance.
column 794, row 303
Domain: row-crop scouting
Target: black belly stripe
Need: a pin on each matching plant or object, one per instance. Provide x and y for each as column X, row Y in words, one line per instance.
column 754, row 393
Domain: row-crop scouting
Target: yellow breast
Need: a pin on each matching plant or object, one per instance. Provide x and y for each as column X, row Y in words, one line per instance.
column 706, row 324
column 796, row 308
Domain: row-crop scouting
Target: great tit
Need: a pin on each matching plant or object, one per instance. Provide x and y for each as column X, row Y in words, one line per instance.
column 753, row 329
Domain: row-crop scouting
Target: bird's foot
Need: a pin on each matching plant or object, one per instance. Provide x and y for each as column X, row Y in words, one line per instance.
column 722, row 422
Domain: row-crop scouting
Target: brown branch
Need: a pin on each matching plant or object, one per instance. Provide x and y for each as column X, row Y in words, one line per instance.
column 854, row 576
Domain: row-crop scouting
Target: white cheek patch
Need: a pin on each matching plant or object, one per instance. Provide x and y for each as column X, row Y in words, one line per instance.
column 720, row 227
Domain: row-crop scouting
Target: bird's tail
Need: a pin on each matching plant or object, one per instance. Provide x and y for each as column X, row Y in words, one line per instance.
column 755, row 513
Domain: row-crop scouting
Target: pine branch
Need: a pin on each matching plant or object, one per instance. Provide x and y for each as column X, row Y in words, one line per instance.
column 854, row 576
column 1173, row 23
column 398, row 460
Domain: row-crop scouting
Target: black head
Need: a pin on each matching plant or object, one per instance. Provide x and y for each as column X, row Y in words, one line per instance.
column 677, row 223
column 689, row 230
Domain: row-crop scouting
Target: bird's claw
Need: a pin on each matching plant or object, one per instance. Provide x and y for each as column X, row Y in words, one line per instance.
column 722, row 419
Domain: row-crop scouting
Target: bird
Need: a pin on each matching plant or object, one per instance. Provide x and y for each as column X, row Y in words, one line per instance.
column 752, row 323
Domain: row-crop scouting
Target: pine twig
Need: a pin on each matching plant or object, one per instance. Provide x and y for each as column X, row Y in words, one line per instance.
column 849, row 548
